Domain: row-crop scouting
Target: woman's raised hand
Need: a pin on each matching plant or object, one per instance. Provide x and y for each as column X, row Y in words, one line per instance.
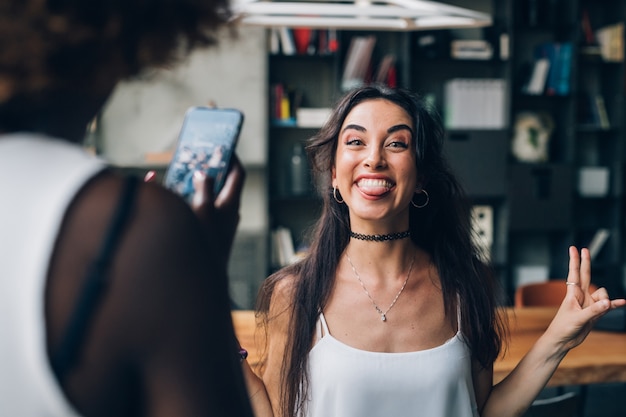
column 580, row 309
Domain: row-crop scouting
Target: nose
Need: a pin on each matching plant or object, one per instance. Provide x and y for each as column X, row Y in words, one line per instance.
column 375, row 158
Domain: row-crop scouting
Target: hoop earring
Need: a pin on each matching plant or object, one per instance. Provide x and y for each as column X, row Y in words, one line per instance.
column 424, row 204
column 335, row 195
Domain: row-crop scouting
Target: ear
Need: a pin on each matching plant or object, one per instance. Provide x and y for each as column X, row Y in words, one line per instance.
column 333, row 177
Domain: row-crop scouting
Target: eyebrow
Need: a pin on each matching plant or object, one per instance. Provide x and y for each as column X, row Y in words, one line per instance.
column 392, row 129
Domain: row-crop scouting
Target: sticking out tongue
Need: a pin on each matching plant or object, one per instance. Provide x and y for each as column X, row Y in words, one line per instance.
column 374, row 187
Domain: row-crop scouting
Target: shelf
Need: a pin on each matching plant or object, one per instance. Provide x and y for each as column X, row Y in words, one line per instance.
column 538, row 211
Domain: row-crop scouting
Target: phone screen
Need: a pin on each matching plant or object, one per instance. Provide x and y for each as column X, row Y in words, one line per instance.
column 206, row 142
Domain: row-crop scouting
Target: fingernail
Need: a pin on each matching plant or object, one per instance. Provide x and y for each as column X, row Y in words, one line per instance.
column 199, row 175
column 149, row 176
column 198, row 185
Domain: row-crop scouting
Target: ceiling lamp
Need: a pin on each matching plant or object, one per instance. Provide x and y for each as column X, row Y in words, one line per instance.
column 400, row 15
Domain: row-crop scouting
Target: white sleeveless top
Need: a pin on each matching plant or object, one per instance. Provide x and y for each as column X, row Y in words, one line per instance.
column 39, row 177
column 348, row 382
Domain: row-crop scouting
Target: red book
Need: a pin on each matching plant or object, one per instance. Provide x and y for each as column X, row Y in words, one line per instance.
column 301, row 37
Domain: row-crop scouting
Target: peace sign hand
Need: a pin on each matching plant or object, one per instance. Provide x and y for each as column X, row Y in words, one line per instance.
column 580, row 309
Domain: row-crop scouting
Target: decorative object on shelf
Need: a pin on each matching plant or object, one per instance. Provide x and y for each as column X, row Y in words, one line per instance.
column 482, row 224
column 532, row 132
column 400, row 15
column 298, row 171
column 611, row 40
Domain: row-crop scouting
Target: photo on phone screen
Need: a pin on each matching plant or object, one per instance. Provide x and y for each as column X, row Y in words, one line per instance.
column 206, row 142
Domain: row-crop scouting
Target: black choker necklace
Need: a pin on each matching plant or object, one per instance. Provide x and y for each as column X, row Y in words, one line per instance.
column 380, row 238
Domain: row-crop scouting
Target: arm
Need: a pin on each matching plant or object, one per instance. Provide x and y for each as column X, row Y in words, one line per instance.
column 257, row 392
column 277, row 332
column 221, row 218
column 570, row 326
column 195, row 368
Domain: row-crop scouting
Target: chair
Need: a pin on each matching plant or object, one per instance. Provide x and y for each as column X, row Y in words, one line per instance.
column 548, row 293
column 564, row 405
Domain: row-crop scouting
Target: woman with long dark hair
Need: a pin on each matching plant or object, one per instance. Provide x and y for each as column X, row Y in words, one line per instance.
column 393, row 311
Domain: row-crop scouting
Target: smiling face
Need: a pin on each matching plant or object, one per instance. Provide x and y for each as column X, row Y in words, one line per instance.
column 375, row 166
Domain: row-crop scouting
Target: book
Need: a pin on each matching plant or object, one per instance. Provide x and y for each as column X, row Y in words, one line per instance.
column 283, row 252
column 313, row 46
column 589, row 36
column 287, row 42
column 597, row 242
column 537, row 82
column 274, row 41
column 302, row 39
column 333, row 41
column 283, row 104
column 384, row 74
column 600, row 109
column 563, row 69
column 358, row 61
column 548, row 51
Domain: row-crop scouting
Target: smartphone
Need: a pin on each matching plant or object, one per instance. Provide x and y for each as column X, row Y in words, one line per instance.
column 206, row 142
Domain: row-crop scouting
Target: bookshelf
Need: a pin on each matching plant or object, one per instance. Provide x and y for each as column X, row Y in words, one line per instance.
column 312, row 82
column 576, row 194
column 599, row 142
column 534, row 208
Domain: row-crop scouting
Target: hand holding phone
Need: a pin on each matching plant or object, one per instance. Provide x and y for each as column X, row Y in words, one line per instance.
column 206, row 143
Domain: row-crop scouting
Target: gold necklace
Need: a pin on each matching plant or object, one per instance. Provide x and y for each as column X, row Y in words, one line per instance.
column 383, row 314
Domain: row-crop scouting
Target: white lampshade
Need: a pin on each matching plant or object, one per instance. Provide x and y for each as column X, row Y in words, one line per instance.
column 400, row 15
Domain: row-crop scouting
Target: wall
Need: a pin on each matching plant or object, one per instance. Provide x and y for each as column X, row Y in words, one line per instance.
column 144, row 116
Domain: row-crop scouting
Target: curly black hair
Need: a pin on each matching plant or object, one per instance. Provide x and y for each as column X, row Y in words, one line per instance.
column 87, row 46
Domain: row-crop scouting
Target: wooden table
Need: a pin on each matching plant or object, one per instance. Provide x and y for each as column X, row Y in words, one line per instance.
column 600, row 358
column 249, row 337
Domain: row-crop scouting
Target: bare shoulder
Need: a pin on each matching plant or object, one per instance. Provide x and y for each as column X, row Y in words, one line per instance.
column 164, row 311
column 282, row 292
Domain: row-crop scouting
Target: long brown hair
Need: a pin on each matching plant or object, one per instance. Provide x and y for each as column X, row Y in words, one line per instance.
column 442, row 228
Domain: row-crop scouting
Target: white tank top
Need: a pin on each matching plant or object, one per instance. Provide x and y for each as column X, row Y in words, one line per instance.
column 348, row 382
column 39, row 177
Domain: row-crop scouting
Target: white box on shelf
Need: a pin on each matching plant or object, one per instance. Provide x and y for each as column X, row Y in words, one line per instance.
column 471, row 49
column 312, row 117
column 530, row 274
column 593, row 181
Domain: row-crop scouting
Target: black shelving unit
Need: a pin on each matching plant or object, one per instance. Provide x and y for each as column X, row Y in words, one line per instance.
column 538, row 207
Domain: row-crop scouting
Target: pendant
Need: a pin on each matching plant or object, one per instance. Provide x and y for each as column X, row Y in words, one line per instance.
column 383, row 317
